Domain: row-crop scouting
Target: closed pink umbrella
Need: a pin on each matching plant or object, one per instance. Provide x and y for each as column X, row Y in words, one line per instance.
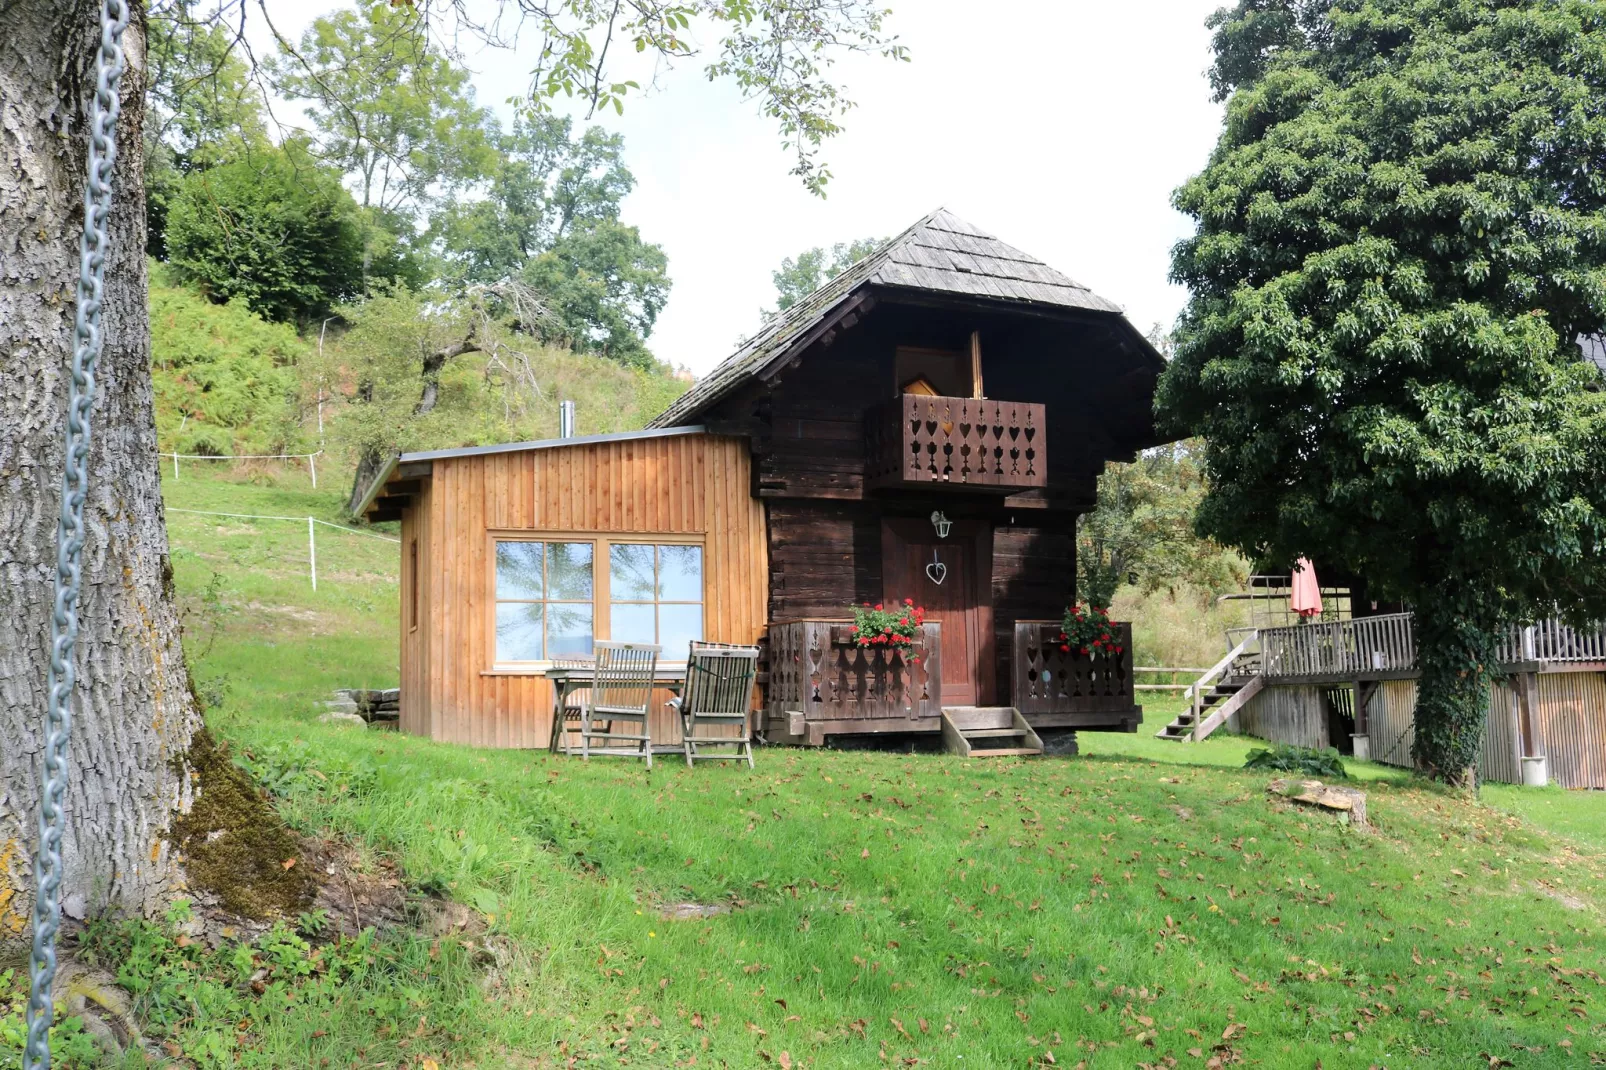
column 1307, row 597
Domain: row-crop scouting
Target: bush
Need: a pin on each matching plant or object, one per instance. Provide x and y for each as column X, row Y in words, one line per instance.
column 274, row 228
column 1286, row 758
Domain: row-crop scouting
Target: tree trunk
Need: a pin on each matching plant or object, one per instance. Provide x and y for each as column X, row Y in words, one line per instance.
column 369, row 465
column 1456, row 652
column 371, row 462
column 134, row 712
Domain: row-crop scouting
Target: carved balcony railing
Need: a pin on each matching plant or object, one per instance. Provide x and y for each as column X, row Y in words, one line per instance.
column 816, row 670
column 1052, row 686
column 917, row 440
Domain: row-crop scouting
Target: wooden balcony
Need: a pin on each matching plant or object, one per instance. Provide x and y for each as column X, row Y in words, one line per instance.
column 921, row 441
column 821, row 683
column 1053, row 688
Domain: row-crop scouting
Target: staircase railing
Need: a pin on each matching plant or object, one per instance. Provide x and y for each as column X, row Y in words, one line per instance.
column 1195, row 694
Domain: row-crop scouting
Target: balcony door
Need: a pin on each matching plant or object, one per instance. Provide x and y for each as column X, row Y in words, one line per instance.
column 952, row 579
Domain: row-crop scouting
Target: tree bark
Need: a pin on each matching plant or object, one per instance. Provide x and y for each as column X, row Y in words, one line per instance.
column 371, row 462
column 134, row 711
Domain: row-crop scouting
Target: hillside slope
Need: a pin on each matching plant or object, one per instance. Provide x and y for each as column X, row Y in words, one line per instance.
column 1114, row 911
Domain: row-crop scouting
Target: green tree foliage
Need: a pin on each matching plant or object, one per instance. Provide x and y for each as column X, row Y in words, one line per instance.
column 1399, row 236
column 799, row 276
column 425, row 372
column 226, row 380
column 274, row 228
column 549, row 215
column 390, row 110
column 1142, row 531
column 201, row 106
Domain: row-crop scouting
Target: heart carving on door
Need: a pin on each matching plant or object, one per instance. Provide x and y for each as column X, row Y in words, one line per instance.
column 936, row 572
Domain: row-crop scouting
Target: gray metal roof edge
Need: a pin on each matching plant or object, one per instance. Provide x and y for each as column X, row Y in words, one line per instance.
column 552, row 443
column 373, row 488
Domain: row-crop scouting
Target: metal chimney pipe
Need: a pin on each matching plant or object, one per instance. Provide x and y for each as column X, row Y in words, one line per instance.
column 565, row 419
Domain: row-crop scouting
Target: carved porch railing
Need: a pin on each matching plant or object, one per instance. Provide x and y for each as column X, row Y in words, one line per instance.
column 816, row 669
column 1049, row 681
column 917, row 440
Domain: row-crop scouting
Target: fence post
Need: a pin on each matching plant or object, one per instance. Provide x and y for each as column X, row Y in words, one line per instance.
column 312, row 552
column 312, row 466
column 175, row 466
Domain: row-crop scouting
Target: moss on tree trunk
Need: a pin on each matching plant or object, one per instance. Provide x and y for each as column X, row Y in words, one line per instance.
column 1456, row 652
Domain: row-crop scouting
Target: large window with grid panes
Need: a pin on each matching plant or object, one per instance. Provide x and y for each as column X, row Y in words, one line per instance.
column 556, row 596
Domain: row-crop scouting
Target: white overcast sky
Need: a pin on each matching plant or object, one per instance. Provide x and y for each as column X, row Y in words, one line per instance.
column 1061, row 126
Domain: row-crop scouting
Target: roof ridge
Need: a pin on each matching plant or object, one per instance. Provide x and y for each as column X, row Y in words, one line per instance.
column 968, row 263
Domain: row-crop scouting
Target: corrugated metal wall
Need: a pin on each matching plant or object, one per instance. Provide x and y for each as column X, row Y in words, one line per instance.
column 1570, row 725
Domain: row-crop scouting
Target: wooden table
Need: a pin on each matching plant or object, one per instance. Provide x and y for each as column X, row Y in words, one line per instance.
column 567, row 680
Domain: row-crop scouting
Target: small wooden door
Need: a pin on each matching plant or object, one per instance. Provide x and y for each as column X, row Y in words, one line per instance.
column 913, row 561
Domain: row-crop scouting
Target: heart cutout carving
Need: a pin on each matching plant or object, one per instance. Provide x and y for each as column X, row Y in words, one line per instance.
column 936, row 572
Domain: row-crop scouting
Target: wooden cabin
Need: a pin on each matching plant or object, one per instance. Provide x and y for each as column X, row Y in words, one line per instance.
column 928, row 425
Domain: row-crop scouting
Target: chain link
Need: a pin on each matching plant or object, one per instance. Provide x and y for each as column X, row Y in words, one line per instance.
column 70, row 529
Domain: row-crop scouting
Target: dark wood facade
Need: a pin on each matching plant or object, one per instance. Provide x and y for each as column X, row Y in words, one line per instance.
column 1035, row 399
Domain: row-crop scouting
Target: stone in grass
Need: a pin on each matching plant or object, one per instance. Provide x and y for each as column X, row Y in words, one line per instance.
column 341, row 717
column 1349, row 802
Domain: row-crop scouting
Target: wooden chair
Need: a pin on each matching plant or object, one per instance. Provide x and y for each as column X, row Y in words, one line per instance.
column 620, row 694
column 569, row 718
column 719, row 692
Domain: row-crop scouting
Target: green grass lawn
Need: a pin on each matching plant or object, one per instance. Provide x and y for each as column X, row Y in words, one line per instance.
column 1141, row 904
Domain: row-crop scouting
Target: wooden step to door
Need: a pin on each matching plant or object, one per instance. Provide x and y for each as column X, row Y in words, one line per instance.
column 988, row 732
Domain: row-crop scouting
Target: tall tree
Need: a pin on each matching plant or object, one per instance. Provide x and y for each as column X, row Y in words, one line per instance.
column 391, row 111
column 135, row 714
column 137, row 720
column 549, row 215
column 1399, row 236
column 1142, row 530
column 799, row 276
column 202, row 103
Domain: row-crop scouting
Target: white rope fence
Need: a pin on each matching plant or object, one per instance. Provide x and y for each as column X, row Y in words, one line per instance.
column 312, row 466
column 312, row 528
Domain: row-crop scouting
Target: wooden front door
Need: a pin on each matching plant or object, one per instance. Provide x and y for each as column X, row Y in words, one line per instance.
column 913, row 561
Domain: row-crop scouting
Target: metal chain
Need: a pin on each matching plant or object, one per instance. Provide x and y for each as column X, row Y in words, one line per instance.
column 70, row 529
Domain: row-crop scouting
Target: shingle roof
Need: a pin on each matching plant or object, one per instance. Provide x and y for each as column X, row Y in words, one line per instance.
column 940, row 254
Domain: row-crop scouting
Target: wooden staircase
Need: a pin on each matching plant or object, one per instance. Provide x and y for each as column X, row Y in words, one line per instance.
column 1232, row 682
column 988, row 732
column 1224, row 699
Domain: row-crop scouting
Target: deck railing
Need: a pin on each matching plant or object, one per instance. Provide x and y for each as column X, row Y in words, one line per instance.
column 816, row 669
column 918, row 440
column 1386, row 644
column 1551, row 640
column 1345, row 648
column 1048, row 680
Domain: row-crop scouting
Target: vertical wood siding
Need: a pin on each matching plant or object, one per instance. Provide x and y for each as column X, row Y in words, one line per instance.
column 1293, row 714
column 676, row 485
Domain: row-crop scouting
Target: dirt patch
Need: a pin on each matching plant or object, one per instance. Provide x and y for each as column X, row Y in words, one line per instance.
column 236, row 849
column 693, row 911
column 1571, row 902
column 353, row 894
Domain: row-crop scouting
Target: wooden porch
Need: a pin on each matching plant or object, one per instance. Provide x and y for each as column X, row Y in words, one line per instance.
column 820, row 684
